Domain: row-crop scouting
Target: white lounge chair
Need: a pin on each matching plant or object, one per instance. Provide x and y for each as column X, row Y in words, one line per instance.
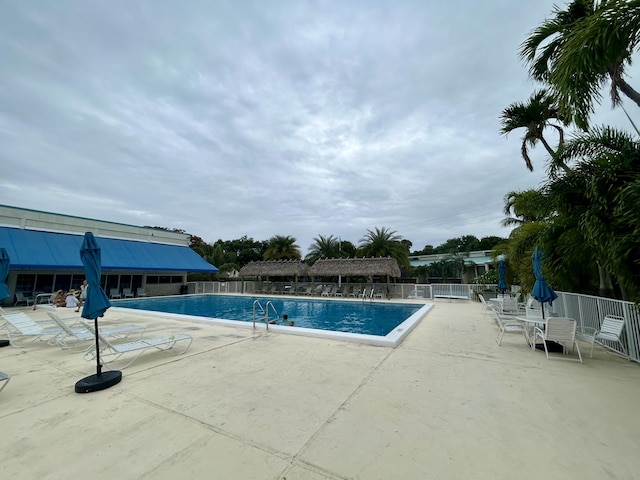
column 140, row 292
column 561, row 330
column 43, row 298
column 71, row 337
column 113, row 351
column 127, row 293
column 20, row 325
column 114, row 293
column 610, row 330
column 326, row 291
column 4, row 378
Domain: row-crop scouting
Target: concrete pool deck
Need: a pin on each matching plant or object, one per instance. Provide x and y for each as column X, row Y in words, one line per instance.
column 447, row 403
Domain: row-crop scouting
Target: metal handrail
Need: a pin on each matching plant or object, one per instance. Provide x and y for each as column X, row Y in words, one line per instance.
column 257, row 302
column 270, row 303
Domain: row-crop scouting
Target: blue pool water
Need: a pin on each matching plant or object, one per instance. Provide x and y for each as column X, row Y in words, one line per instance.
column 372, row 318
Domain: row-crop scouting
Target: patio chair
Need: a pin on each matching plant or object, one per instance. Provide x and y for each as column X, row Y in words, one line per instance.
column 561, row 330
column 507, row 325
column 71, row 337
column 487, row 305
column 377, row 293
column 114, row 293
column 355, row 292
column 326, row 291
column 4, row 378
column 20, row 325
column 22, row 298
column 127, row 293
column 113, row 351
column 509, row 305
column 610, row 330
column 140, row 292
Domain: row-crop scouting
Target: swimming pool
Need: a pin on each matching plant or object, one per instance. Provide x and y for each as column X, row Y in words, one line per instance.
column 379, row 323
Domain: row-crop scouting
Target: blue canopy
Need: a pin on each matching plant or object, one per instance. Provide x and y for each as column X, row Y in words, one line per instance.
column 38, row 250
column 4, row 272
column 542, row 292
column 96, row 301
column 502, row 271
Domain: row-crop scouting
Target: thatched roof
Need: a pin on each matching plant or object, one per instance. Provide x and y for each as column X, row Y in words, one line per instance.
column 275, row 268
column 355, row 267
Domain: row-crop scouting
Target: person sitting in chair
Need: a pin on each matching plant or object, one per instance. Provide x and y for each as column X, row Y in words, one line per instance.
column 71, row 301
column 59, row 300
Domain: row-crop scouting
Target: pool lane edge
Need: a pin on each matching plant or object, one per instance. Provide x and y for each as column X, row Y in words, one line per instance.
column 392, row 339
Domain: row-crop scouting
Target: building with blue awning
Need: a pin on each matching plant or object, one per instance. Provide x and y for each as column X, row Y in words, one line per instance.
column 44, row 249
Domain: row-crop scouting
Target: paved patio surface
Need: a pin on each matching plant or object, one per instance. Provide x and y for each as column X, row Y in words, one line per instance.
column 448, row 403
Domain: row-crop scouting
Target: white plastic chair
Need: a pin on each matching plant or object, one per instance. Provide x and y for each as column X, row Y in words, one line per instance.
column 114, row 293
column 22, row 298
column 610, row 330
column 561, row 330
column 507, row 325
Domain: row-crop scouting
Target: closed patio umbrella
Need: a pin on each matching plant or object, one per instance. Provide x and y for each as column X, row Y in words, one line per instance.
column 4, row 290
column 542, row 292
column 4, row 273
column 95, row 304
column 502, row 272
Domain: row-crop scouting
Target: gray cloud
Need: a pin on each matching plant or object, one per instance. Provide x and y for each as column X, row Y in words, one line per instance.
column 263, row 118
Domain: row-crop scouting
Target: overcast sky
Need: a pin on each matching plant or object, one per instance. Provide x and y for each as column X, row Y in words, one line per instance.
column 301, row 118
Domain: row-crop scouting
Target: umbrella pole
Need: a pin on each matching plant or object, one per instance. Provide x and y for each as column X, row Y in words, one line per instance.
column 99, row 381
column 98, row 366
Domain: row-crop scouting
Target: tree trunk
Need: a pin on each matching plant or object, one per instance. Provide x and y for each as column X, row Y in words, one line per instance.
column 606, row 286
column 553, row 154
column 629, row 91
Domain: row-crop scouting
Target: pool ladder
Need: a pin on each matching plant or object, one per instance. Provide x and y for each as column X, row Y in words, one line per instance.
column 257, row 306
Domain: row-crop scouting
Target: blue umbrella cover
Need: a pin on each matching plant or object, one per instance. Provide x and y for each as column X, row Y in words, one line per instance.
column 4, row 273
column 502, row 271
column 542, row 292
column 96, row 301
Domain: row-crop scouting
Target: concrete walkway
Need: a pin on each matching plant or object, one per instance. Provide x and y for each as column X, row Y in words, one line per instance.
column 446, row 404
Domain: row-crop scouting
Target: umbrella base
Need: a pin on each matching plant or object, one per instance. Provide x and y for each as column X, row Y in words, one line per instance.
column 4, row 343
column 95, row 383
column 552, row 347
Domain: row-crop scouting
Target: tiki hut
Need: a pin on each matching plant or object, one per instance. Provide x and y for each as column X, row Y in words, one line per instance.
column 354, row 267
column 276, row 268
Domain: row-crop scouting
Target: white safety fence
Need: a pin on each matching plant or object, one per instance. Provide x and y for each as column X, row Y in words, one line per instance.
column 588, row 310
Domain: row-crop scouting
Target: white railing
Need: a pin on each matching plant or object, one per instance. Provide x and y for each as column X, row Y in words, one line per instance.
column 586, row 309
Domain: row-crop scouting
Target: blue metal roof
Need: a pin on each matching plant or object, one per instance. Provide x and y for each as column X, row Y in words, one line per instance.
column 32, row 249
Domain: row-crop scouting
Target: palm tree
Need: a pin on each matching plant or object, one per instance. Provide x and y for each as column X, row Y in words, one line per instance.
column 581, row 48
column 538, row 114
column 382, row 242
column 323, row 247
column 282, row 247
column 524, row 207
column 600, row 193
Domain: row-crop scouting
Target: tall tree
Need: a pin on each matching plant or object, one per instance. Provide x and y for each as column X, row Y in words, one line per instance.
column 535, row 116
column 323, row 247
column 582, row 47
column 382, row 242
column 282, row 247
